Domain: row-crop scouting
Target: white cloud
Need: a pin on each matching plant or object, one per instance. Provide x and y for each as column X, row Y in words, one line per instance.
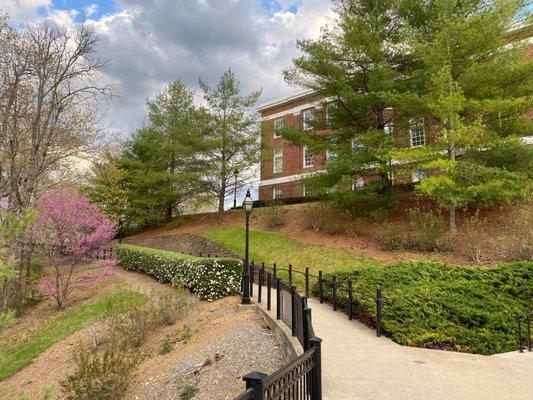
column 90, row 10
column 23, row 10
column 152, row 43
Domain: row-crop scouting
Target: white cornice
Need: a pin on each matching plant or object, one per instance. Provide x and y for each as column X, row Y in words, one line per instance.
column 284, row 100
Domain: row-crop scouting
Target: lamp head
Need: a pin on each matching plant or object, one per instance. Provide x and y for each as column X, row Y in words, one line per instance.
column 248, row 202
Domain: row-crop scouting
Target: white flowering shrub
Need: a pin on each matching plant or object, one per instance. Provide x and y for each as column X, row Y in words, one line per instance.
column 209, row 278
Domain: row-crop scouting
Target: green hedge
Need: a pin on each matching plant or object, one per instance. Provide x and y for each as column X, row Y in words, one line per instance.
column 443, row 307
column 209, row 278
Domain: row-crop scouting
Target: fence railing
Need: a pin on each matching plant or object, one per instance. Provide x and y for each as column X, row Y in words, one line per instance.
column 527, row 319
column 300, row 379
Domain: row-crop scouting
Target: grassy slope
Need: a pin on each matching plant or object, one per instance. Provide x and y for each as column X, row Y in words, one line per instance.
column 282, row 250
column 15, row 357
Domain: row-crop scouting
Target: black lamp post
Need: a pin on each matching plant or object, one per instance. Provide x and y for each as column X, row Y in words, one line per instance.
column 120, row 226
column 247, row 204
column 235, row 173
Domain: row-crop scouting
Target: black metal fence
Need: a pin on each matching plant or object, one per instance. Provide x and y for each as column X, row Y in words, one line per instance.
column 340, row 295
column 300, row 379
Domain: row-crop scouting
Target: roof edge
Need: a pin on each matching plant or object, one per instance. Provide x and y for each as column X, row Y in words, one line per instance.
column 283, row 100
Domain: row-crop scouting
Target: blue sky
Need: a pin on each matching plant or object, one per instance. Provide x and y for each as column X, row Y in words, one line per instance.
column 102, row 7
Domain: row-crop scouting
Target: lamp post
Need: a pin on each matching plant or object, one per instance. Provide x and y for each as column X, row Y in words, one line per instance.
column 247, row 204
column 120, row 226
column 235, row 173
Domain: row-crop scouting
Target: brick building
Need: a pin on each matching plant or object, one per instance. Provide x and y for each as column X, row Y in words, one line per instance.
column 284, row 164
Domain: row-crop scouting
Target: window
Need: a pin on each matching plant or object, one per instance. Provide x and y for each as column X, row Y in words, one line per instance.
column 418, row 176
column 278, row 127
column 276, row 193
column 417, row 132
column 329, row 116
column 330, row 155
column 308, row 158
column 389, row 128
column 308, row 117
column 358, row 184
column 278, row 161
column 390, row 175
column 307, row 191
column 357, row 147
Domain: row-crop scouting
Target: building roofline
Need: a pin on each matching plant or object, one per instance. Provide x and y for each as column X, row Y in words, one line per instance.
column 284, row 100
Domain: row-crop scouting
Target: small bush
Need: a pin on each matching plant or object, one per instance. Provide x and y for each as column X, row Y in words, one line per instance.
column 189, row 392
column 473, row 240
column 176, row 223
column 356, row 226
column 166, row 347
column 427, row 230
column 315, row 215
column 100, row 375
column 392, row 236
column 7, row 319
column 518, row 241
column 168, row 307
column 186, row 335
column 274, row 215
column 133, row 327
column 209, row 278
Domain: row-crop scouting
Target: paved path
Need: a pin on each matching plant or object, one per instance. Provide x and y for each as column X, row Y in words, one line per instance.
column 358, row 365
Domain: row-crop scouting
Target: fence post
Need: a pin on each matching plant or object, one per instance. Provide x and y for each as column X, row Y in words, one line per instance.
column 334, row 293
column 379, row 302
column 260, row 286
column 306, row 316
column 350, row 300
column 254, row 381
column 252, row 269
column 278, row 299
column 320, row 288
column 290, row 275
column 269, row 289
column 520, row 344
column 274, row 271
column 293, row 310
column 306, row 281
column 316, row 390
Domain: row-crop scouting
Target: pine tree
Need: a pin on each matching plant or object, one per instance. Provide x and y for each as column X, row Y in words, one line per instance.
column 474, row 88
column 356, row 64
column 229, row 141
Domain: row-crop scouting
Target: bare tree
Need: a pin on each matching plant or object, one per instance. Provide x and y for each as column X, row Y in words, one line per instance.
column 52, row 88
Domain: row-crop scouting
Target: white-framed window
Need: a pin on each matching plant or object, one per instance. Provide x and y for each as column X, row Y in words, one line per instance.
column 277, row 193
column 278, row 160
column 308, row 158
column 278, row 127
column 329, row 116
column 418, row 176
column 307, row 191
column 358, row 183
column 417, row 132
column 390, row 175
column 330, row 155
column 389, row 128
column 357, row 147
column 308, row 117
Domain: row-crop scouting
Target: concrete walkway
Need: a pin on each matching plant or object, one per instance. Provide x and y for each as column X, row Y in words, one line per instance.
column 358, row 365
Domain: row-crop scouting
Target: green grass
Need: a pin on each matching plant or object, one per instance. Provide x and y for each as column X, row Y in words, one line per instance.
column 18, row 355
column 282, row 250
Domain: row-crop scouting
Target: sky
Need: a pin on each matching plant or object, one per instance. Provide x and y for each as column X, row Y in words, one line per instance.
column 152, row 42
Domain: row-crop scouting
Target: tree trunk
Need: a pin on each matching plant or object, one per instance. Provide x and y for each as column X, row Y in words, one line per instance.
column 222, row 197
column 169, row 213
column 453, row 224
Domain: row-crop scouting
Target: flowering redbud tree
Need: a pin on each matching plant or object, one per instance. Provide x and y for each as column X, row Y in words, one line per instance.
column 68, row 229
